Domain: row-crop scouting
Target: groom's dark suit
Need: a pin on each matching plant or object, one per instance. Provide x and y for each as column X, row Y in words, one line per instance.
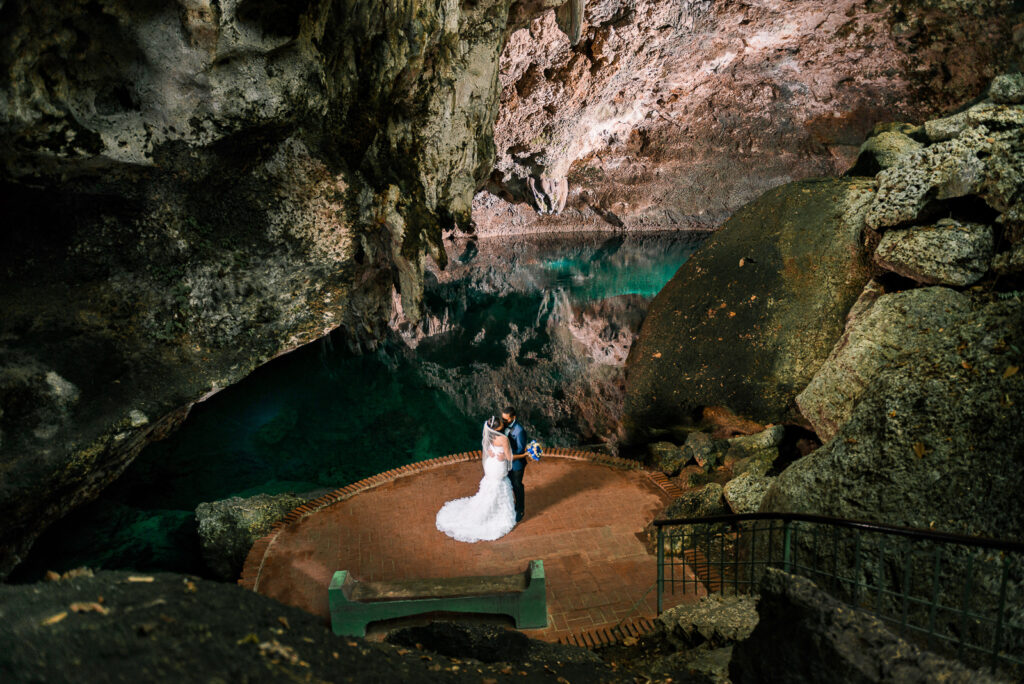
column 517, row 440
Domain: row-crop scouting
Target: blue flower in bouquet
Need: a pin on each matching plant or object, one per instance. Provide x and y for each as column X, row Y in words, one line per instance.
column 534, row 450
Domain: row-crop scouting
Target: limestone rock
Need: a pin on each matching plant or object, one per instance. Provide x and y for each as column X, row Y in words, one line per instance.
column 631, row 114
column 759, row 463
column 1010, row 262
column 932, row 437
column 705, row 450
column 882, row 331
column 984, row 159
column 755, row 453
column 769, row 438
column 715, row 619
column 745, row 493
column 668, row 458
column 805, row 636
column 228, row 528
column 950, row 254
column 1007, row 89
column 881, row 151
column 748, row 320
column 946, row 128
column 698, row 503
column 191, row 189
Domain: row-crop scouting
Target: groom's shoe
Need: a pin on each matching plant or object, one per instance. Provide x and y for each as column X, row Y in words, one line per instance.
column 519, row 518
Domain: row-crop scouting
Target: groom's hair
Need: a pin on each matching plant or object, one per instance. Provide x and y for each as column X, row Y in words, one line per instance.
column 509, row 411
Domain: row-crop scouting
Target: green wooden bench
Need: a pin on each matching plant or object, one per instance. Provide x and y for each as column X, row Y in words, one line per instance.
column 355, row 604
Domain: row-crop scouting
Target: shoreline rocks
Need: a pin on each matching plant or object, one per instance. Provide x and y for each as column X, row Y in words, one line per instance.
column 228, row 528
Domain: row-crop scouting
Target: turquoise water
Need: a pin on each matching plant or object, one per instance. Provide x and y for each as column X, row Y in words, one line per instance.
column 320, row 418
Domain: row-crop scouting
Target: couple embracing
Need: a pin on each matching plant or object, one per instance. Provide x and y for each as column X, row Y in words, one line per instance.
column 499, row 503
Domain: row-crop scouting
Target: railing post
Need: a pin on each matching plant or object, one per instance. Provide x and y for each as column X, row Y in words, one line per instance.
column 661, row 566
column 786, row 538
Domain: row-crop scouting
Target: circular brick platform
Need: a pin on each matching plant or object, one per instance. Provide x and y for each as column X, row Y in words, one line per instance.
column 585, row 517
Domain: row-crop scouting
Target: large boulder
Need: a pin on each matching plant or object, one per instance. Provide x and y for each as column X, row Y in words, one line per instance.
column 882, row 330
column 804, row 635
column 745, row 492
column 933, row 437
column 228, row 528
column 749, row 319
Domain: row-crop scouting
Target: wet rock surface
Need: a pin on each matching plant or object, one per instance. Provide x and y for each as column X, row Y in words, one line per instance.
column 228, row 528
column 804, row 635
column 165, row 627
column 676, row 114
column 749, row 319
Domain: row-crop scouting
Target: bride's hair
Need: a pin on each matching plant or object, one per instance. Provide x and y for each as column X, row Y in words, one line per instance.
column 495, row 423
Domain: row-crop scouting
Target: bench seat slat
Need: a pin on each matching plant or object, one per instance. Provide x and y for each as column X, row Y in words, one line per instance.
column 442, row 587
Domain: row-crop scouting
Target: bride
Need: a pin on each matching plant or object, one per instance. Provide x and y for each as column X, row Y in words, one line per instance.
column 491, row 512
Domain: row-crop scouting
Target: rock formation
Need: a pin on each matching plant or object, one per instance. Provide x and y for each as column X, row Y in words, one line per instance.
column 804, row 635
column 748, row 320
column 228, row 528
column 165, row 627
column 674, row 114
column 193, row 188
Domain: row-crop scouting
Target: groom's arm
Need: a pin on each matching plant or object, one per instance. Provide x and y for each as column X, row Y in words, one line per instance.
column 518, row 443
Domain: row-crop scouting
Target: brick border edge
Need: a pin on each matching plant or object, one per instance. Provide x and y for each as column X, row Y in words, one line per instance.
column 636, row 627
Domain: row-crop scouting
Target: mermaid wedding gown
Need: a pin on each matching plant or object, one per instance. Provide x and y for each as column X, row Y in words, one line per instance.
column 488, row 514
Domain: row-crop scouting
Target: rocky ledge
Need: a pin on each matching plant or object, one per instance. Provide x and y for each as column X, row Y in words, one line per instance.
column 194, row 188
column 116, row 626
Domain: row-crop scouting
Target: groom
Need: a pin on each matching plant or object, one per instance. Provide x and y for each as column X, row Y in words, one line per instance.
column 517, row 440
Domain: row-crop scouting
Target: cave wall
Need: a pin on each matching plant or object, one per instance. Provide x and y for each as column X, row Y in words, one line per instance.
column 669, row 115
column 192, row 188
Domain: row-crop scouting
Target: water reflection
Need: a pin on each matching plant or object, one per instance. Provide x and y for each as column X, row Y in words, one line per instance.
column 543, row 323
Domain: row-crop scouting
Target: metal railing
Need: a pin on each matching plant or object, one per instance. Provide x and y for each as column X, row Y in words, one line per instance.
column 956, row 595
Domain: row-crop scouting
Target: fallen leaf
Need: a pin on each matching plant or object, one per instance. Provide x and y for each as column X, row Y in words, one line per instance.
column 629, row 641
column 190, row 587
column 139, row 578
column 54, row 619
column 742, row 261
column 966, row 365
column 88, row 607
column 1010, row 372
column 51, row 576
column 284, row 621
column 919, row 449
column 657, row 355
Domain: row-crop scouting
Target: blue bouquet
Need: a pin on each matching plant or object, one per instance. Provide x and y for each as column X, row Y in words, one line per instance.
column 534, row 450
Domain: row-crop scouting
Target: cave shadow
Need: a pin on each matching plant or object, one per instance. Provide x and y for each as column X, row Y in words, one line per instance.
column 546, row 495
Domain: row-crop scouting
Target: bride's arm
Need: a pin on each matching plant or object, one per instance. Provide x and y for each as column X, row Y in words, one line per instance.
column 507, row 448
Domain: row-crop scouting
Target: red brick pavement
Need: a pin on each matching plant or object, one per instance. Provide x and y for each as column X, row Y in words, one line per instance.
column 584, row 519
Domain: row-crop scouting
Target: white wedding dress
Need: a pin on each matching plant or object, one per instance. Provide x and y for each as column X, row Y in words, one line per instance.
column 491, row 512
